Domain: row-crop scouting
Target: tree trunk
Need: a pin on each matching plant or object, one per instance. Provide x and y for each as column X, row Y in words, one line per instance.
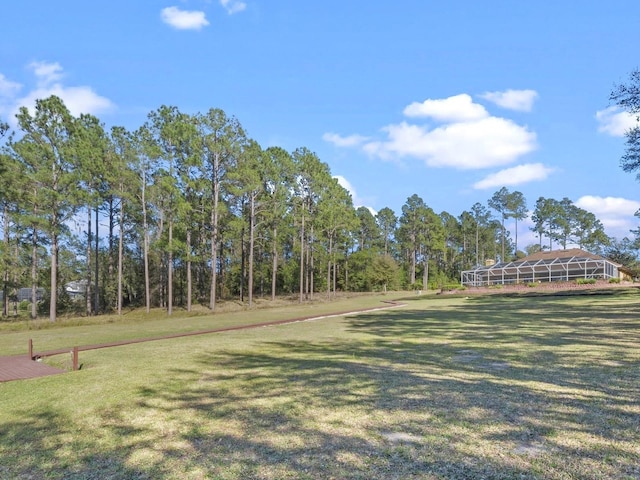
column 120, row 258
column 170, row 270
column 54, row 278
column 108, row 297
column 329, row 266
column 311, row 266
column 477, row 245
column 5, row 280
column 252, row 222
column 145, row 241
column 88, row 291
column 302, row 252
column 242, row 263
column 214, row 236
column 34, row 274
column 274, row 266
column 335, row 270
column 502, row 259
column 189, row 286
column 425, row 274
column 96, row 289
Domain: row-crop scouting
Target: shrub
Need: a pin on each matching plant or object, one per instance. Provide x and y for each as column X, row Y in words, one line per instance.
column 586, row 281
column 532, row 284
column 614, row 280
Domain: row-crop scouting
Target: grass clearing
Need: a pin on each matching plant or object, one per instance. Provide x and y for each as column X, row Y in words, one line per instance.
column 68, row 332
column 494, row 387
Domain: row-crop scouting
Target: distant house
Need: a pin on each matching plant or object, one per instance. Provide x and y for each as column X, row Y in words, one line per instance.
column 76, row 290
column 24, row 294
column 552, row 266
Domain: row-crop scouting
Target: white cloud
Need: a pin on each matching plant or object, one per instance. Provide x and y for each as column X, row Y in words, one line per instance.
column 615, row 122
column 233, row 6
column 8, row 89
column 467, row 136
column 482, row 143
column 340, row 141
column 46, row 73
column 519, row 100
column 615, row 213
column 184, row 19
column 78, row 99
column 529, row 172
column 459, row 108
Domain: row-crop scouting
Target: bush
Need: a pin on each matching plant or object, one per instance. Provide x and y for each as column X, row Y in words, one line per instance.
column 614, row 280
column 586, row 281
column 532, row 284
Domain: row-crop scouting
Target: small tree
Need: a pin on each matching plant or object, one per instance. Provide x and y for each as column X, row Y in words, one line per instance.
column 384, row 272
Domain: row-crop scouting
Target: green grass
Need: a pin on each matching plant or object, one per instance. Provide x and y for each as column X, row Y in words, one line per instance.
column 69, row 332
column 495, row 387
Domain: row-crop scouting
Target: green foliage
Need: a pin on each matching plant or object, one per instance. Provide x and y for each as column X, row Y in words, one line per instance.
column 627, row 96
column 586, row 281
column 384, row 273
column 614, row 280
column 192, row 209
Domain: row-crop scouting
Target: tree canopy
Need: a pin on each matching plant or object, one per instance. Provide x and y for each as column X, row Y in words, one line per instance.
column 196, row 212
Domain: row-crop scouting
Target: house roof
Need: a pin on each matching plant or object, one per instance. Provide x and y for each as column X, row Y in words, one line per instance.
column 569, row 253
column 553, row 257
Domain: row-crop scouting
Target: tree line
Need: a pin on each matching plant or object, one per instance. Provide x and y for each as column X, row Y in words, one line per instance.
column 197, row 211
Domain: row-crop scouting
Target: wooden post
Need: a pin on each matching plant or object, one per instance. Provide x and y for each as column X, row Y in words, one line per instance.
column 30, row 349
column 75, row 358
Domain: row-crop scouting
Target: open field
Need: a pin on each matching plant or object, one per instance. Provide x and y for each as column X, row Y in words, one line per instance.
column 494, row 387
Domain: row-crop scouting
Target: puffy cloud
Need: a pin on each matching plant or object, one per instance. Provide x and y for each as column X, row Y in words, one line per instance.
column 46, row 73
column 184, row 19
column 615, row 122
column 78, row 99
column 233, row 6
column 615, row 213
column 608, row 205
column 482, row 143
column 519, row 100
column 529, row 172
column 459, row 108
column 466, row 136
column 340, row 141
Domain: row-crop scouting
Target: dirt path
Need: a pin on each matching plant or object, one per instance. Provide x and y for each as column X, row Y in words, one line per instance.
column 21, row 367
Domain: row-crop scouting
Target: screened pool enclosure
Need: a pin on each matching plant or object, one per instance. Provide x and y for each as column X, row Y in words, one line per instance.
column 555, row 266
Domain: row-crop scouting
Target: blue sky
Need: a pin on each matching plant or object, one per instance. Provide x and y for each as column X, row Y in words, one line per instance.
column 447, row 100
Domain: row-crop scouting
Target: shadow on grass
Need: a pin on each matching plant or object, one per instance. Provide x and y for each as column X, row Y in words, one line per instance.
column 385, row 409
column 45, row 445
column 528, row 388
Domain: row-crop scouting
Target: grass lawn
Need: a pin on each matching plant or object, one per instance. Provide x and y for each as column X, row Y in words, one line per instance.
column 493, row 387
